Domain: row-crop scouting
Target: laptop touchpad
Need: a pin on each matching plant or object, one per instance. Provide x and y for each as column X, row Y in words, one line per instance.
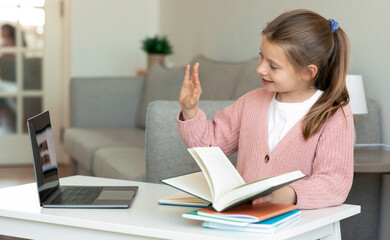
column 116, row 195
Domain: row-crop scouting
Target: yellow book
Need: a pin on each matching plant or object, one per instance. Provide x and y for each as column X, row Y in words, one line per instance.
column 183, row 199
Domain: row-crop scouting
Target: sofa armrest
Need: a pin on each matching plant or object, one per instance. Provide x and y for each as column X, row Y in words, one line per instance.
column 166, row 153
column 105, row 101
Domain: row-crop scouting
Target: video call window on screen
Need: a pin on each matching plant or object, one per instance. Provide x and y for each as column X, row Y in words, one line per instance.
column 45, row 142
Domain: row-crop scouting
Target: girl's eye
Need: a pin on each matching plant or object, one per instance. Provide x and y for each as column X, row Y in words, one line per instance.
column 273, row 67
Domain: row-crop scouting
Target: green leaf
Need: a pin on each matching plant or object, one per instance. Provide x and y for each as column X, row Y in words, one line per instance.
column 157, row 45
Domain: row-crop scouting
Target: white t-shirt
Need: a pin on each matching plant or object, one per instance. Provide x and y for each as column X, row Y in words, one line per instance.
column 283, row 116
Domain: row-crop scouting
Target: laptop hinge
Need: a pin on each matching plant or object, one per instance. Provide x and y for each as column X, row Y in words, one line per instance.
column 50, row 194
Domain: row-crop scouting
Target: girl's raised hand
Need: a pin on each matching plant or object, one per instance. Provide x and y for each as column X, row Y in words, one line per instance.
column 190, row 92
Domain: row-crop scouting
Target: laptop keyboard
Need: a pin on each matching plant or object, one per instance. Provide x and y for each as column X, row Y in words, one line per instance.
column 74, row 195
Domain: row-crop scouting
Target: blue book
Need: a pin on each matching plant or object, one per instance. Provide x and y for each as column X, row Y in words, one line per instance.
column 270, row 225
column 241, row 221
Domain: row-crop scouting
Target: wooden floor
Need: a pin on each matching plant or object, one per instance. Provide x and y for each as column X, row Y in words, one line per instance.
column 16, row 175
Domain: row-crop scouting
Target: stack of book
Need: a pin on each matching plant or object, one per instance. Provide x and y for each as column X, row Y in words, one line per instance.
column 263, row 218
column 220, row 185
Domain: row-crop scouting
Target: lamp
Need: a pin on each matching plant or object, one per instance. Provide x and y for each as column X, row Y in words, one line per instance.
column 357, row 98
column 357, row 102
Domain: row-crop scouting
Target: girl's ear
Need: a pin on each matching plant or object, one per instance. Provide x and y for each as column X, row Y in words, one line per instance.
column 313, row 69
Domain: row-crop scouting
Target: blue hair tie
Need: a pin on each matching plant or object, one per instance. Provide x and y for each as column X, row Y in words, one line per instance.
column 334, row 25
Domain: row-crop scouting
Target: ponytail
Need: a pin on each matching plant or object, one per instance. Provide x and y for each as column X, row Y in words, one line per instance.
column 333, row 84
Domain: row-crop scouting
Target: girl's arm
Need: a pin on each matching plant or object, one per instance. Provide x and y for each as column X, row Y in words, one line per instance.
column 333, row 165
column 332, row 175
column 222, row 131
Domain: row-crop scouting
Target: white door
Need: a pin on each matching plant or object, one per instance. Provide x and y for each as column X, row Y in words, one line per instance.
column 30, row 72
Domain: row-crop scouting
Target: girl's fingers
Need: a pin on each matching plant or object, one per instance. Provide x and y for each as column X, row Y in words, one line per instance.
column 264, row 199
column 187, row 73
column 258, row 201
column 196, row 76
column 191, row 88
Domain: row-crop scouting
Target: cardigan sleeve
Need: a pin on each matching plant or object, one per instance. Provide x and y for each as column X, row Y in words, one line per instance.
column 221, row 131
column 332, row 175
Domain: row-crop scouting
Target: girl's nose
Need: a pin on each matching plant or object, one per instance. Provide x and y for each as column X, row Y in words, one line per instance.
column 261, row 70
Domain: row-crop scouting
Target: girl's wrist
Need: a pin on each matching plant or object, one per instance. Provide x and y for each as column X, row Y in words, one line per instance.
column 293, row 195
column 189, row 113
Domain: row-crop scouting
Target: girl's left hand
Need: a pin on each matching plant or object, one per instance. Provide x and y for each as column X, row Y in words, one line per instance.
column 282, row 195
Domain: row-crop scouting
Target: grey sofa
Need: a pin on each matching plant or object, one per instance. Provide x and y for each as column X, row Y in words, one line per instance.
column 106, row 137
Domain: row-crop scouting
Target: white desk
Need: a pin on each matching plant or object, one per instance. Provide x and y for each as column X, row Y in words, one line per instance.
column 21, row 216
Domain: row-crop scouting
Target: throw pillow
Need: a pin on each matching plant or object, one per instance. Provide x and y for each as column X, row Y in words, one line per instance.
column 160, row 84
column 218, row 78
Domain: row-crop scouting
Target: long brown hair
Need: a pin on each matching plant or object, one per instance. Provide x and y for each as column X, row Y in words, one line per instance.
column 307, row 38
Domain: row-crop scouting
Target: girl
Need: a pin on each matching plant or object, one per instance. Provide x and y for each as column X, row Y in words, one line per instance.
column 300, row 120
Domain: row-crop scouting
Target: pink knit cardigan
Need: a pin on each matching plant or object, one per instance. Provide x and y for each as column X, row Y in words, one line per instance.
column 326, row 157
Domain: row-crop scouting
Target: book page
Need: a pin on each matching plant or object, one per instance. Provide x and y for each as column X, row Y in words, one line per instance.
column 182, row 196
column 223, row 175
column 193, row 183
column 257, row 189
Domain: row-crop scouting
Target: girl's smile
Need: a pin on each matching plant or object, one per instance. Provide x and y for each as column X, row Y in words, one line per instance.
column 265, row 82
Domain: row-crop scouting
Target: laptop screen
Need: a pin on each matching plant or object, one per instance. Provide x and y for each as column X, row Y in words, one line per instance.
column 45, row 161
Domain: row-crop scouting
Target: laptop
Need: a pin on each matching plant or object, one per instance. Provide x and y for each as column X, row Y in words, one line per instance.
column 51, row 193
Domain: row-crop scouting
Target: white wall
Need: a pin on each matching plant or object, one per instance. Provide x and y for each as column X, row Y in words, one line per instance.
column 230, row 30
column 106, row 36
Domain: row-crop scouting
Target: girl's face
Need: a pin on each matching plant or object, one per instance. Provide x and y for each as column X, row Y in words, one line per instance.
column 278, row 74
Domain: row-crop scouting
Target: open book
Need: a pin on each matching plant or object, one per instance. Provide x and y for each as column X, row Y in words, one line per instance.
column 219, row 182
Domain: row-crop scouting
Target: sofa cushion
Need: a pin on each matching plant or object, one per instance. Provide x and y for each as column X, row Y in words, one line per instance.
column 97, row 102
column 248, row 80
column 160, row 84
column 218, row 78
column 120, row 162
column 82, row 143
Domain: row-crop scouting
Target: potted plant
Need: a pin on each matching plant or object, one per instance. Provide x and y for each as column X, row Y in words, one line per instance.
column 156, row 48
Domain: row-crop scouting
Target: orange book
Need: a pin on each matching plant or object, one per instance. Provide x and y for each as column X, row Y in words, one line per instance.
column 248, row 212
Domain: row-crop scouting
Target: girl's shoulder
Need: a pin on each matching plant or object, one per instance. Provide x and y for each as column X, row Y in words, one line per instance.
column 343, row 112
column 342, row 117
